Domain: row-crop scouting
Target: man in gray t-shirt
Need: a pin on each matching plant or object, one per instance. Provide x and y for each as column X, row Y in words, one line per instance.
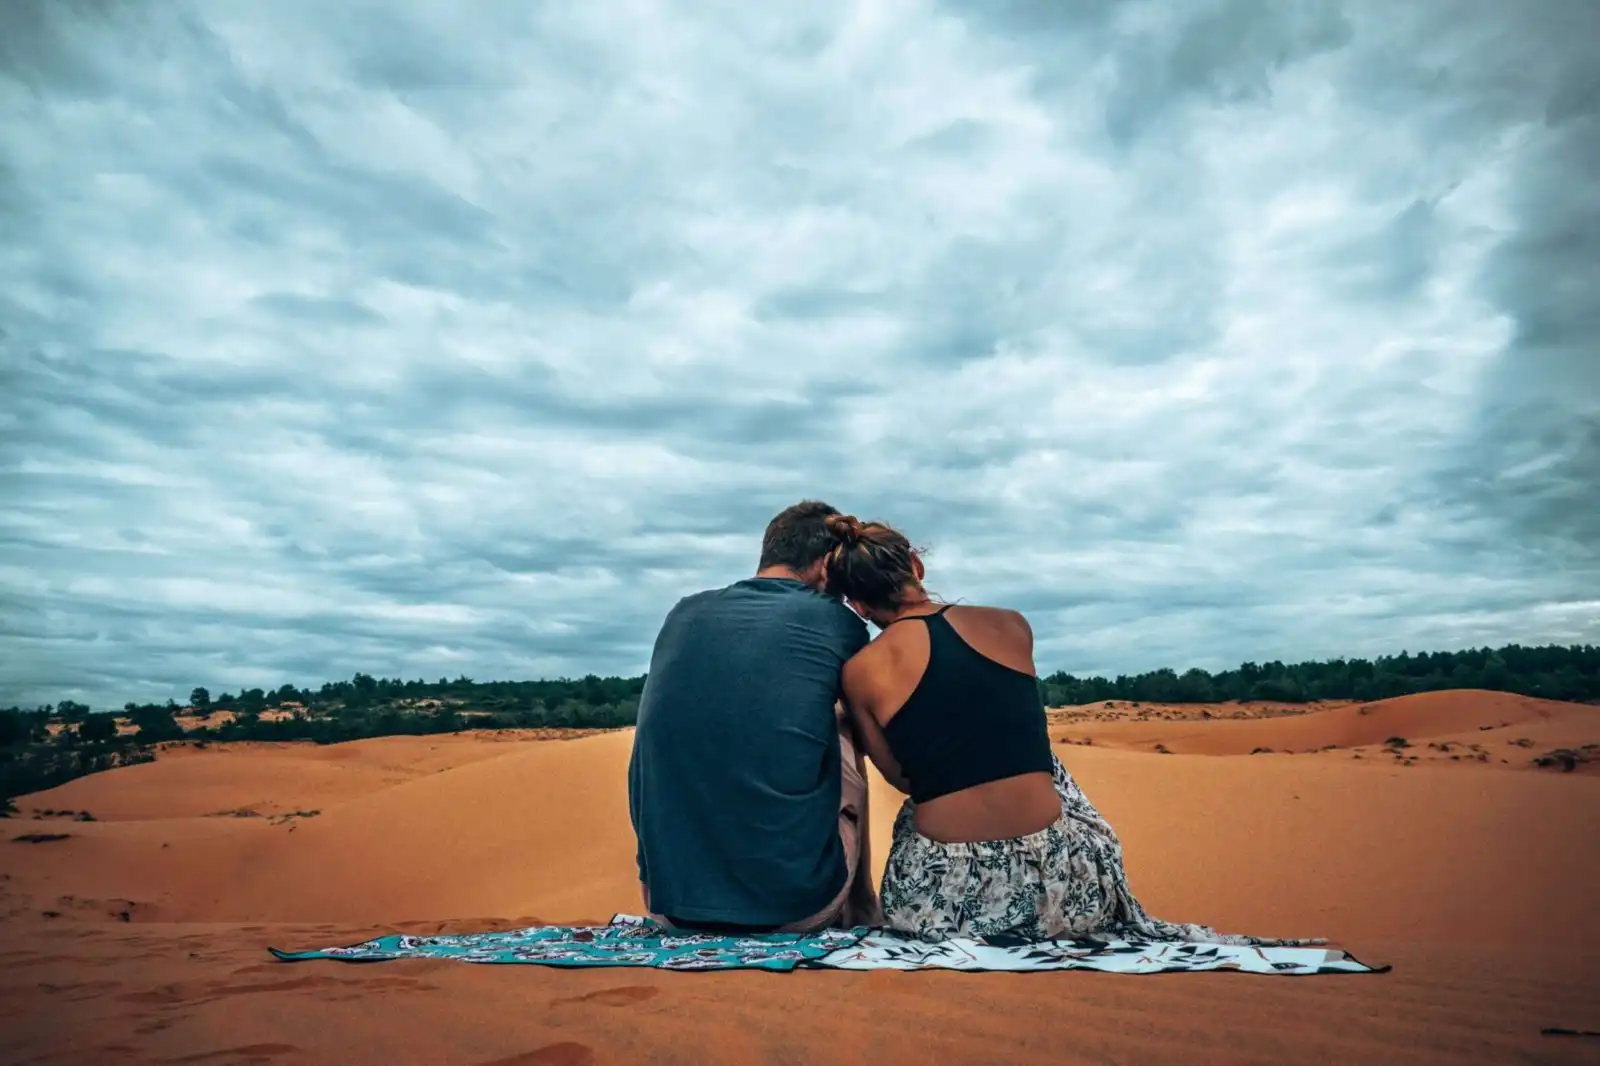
column 747, row 793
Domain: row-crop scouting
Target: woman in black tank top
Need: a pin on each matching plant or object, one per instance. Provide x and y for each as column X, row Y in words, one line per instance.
column 973, row 724
column 933, row 735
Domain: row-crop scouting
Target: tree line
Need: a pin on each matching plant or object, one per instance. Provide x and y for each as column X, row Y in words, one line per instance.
column 49, row 745
column 1553, row 672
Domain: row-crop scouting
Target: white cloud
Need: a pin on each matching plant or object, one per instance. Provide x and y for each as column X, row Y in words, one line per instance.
column 426, row 339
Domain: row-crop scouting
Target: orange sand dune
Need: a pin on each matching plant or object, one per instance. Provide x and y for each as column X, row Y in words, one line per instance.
column 267, row 778
column 1456, row 713
column 140, row 937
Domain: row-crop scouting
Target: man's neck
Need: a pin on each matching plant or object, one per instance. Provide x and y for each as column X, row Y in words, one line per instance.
column 784, row 572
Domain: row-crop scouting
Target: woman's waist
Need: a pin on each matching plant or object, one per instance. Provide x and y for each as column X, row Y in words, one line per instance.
column 1001, row 809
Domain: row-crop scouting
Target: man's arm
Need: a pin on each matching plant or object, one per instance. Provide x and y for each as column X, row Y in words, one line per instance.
column 636, row 758
column 633, row 809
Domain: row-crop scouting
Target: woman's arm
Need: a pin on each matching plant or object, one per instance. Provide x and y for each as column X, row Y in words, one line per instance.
column 869, row 735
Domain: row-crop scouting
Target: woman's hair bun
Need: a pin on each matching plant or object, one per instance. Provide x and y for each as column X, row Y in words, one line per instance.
column 870, row 562
column 847, row 528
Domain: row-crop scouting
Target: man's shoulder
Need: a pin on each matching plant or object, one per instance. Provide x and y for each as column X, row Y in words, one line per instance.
column 786, row 601
column 845, row 622
column 831, row 608
column 781, row 594
column 690, row 601
column 822, row 603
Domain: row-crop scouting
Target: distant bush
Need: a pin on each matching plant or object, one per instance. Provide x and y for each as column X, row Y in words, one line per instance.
column 96, row 728
column 14, row 728
column 156, row 724
column 1568, row 759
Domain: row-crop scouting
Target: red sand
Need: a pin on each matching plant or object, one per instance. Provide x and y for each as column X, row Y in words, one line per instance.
column 141, row 937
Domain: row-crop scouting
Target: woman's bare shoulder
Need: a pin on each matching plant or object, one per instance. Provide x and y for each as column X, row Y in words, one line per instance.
column 884, row 652
column 884, row 647
column 862, row 671
column 992, row 615
column 871, row 652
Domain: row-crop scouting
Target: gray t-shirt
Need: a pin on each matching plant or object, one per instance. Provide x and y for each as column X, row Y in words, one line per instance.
column 734, row 781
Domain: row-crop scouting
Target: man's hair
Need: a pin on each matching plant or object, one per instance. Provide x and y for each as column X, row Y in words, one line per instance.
column 798, row 537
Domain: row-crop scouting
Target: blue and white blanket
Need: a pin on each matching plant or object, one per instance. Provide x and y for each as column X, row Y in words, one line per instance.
column 633, row 941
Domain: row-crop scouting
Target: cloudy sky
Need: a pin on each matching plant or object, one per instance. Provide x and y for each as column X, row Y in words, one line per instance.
column 433, row 338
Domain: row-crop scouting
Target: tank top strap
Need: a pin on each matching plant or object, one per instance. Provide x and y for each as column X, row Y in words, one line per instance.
column 924, row 617
column 943, row 640
column 941, row 634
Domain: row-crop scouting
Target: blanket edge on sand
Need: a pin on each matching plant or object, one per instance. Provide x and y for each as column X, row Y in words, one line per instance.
column 630, row 940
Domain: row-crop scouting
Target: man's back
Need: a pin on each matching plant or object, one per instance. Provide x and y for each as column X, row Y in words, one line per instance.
column 734, row 784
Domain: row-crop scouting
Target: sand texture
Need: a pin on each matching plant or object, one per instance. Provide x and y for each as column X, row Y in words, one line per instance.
column 140, row 936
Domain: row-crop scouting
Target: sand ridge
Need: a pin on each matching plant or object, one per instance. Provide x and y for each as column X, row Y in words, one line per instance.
column 1492, row 720
column 1473, row 878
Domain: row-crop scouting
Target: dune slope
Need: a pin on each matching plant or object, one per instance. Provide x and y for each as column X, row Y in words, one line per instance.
column 1453, row 714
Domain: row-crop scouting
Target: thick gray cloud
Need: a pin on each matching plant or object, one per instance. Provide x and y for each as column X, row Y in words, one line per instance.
column 425, row 338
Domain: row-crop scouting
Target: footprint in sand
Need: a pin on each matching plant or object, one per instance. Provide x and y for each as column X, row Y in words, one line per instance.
column 247, row 1052
column 81, row 991
column 566, row 1053
column 624, row 996
column 170, row 995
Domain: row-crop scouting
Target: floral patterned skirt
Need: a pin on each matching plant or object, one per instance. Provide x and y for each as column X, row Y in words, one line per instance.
column 1065, row 881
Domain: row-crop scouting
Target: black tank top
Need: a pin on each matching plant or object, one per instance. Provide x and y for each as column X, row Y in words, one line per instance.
column 969, row 721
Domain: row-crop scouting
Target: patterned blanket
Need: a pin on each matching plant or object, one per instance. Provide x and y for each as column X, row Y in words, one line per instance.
column 635, row 941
